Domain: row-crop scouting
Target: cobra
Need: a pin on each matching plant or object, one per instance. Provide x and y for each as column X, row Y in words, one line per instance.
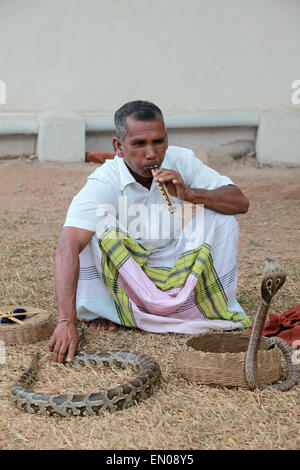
column 274, row 277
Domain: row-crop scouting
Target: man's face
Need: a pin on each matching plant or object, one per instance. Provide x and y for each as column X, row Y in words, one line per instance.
column 144, row 145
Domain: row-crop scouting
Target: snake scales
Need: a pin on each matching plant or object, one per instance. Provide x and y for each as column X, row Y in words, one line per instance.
column 273, row 278
column 96, row 403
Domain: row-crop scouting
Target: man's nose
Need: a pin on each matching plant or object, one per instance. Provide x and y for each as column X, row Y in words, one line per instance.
column 150, row 153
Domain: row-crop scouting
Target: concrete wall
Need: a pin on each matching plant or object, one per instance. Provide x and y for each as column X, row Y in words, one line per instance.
column 233, row 140
column 188, row 56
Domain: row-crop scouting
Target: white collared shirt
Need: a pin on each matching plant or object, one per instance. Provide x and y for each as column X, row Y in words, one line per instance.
column 112, row 185
column 113, row 179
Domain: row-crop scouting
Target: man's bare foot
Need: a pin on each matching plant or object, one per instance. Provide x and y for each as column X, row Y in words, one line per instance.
column 104, row 325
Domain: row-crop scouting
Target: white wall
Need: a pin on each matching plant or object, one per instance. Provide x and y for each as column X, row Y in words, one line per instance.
column 186, row 55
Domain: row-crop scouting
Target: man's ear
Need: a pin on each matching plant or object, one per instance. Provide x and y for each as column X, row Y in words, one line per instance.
column 117, row 143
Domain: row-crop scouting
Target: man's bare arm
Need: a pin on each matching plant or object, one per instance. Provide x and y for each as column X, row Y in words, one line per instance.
column 71, row 243
column 227, row 199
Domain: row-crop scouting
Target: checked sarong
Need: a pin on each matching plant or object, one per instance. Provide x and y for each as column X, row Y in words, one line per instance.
column 191, row 290
column 163, row 288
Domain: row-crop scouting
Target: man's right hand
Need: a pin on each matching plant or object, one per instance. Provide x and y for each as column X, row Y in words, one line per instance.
column 64, row 340
column 65, row 337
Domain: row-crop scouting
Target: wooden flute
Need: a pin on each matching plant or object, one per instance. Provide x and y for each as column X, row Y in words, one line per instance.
column 164, row 192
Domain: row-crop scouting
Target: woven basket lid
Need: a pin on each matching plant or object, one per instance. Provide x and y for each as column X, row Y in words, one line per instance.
column 34, row 327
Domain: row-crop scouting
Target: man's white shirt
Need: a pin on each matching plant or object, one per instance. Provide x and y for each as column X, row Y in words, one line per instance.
column 113, row 180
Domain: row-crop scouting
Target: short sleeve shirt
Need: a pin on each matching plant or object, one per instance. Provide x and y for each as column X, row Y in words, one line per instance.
column 113, row 179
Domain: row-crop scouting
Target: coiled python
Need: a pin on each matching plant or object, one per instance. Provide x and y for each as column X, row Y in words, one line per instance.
column 96, row 403
column 274, row 277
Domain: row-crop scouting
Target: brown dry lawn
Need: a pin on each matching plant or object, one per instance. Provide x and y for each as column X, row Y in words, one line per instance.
column 180, row 415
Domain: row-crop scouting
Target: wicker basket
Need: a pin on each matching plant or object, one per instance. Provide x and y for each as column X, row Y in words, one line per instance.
column 218, row 358
column 34, row 328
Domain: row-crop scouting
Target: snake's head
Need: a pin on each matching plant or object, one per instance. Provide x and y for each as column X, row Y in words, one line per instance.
column 274, row 277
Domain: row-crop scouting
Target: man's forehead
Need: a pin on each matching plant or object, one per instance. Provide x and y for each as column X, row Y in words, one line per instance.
column 136, row 128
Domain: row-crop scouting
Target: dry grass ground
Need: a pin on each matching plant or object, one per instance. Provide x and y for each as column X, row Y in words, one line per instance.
column 180, row 415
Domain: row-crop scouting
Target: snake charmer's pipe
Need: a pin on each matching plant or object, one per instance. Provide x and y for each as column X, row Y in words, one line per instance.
column 273, row 278
column 164, row 192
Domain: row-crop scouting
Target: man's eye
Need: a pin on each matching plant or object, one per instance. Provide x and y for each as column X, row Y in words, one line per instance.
column 160, row 141
column 139, row 144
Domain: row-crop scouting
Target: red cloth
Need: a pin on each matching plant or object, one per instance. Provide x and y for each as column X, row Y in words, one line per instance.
column 286, row 326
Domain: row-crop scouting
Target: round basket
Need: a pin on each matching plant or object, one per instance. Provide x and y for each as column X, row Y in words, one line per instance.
column 33, row 328
column 218, row 358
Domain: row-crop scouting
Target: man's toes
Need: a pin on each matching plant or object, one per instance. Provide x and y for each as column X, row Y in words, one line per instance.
column 97, row 324
column 104, row 325
column 112, row 326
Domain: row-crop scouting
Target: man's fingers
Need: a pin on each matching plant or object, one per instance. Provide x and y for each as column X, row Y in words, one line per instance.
column 164, row 177
column 71, row 351
column 62, row 353
column 55, row 352
column 168, row 178
column 59, row 351
column 64, row 336
column 52, row 342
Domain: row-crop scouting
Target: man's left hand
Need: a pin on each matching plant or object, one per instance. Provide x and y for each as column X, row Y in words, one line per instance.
column 173, row 181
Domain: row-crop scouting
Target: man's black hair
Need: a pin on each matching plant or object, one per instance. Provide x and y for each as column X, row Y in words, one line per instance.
column 139, row 110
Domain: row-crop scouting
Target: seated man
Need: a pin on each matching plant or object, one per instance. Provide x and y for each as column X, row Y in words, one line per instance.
column 113, row 268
